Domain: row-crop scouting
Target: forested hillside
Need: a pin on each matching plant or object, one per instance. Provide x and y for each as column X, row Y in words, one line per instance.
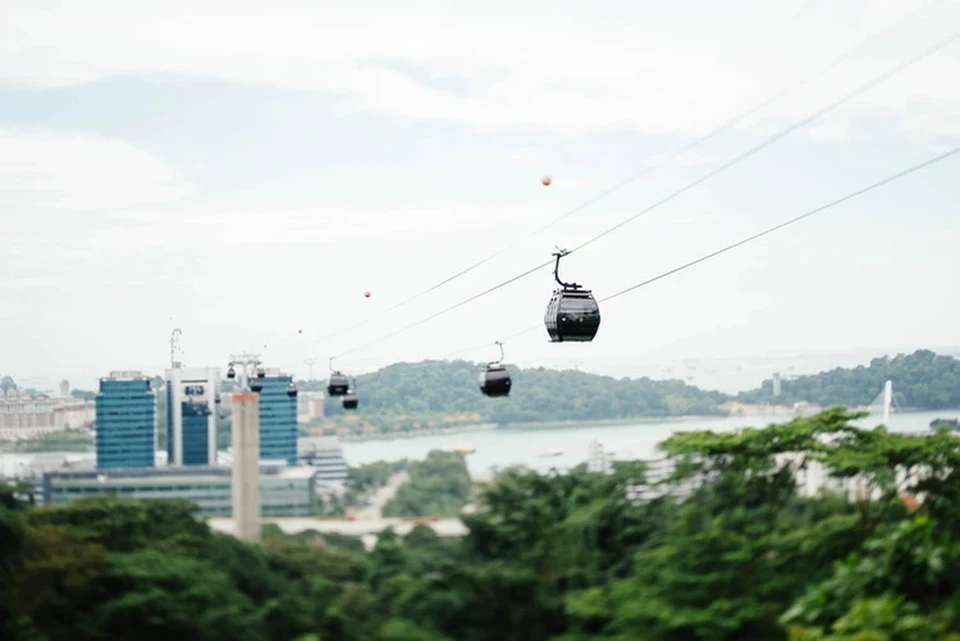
column 560, row 557
column 444, row 387
column 922, row 380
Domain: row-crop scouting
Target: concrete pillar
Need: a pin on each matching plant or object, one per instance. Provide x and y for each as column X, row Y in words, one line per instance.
column 245, row 433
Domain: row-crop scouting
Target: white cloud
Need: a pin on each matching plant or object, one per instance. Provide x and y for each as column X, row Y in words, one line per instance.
column 80, row 172
column 564, row 67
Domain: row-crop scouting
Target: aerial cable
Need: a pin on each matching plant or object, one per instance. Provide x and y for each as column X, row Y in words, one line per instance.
column 744, row 241
column 649, row 168
column 886, row 75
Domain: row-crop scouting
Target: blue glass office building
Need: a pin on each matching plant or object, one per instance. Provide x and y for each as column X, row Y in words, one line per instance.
column 126, row 414
column 196, row 444
column 278, row 420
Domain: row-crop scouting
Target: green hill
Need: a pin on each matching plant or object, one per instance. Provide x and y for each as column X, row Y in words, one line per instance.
column 445, row 388
column 922, row 380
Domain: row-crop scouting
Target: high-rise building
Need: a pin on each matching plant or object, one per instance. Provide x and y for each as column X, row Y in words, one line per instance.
column 278, row 419
column 126, row 410
column 192, row 415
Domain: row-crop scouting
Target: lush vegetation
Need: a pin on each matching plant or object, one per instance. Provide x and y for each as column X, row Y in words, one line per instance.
column 435, row 394
column 439, row 485
column 371, row 476
column 410, row 396
column 562, row 558
column 922, row 380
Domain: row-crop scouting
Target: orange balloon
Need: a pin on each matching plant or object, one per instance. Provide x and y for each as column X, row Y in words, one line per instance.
column 546, row 180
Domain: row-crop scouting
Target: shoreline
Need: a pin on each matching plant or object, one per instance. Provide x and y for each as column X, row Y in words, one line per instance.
column 528, row 426
column 771, row 411
column 397, row 436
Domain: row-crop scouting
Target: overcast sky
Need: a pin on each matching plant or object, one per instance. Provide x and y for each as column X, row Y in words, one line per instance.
column 245, row 170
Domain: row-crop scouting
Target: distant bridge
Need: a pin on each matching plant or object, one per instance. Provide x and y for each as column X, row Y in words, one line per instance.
column 446, row 528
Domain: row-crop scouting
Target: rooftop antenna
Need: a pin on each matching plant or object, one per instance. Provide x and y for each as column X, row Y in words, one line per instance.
column 175, row 349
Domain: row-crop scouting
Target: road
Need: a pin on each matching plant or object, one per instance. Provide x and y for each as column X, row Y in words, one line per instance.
column 374, row 511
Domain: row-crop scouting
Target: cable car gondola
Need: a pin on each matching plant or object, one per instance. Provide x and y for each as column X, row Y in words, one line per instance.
column 292, row 390
column 339, row 384
column 256, row 385
column 494, row 378
column 572, row 314
column 350, row 399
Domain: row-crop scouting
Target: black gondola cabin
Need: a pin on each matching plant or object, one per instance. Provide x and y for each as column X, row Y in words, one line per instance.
column 350, row 400
column 495, row 381
column 573, row 314
column 338, row 384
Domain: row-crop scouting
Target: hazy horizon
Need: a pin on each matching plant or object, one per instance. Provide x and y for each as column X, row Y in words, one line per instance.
column 726, row 374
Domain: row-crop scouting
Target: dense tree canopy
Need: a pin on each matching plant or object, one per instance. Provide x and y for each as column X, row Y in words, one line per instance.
column 433, row 393
column 437, row 388
column 922, row 380
column 439, row 485
column 560, row 557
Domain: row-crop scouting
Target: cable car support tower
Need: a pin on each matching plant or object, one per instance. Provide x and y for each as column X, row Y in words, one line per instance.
column 245, row 435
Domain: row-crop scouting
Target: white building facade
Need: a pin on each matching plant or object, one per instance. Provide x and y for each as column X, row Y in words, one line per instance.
column 192, row 396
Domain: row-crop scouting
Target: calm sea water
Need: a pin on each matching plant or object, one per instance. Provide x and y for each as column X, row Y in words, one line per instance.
column 570, row 445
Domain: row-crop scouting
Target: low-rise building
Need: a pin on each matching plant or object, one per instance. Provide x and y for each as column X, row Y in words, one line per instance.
column 325, row 455
column 23, row 416
column 284, row 491
column 310, row 406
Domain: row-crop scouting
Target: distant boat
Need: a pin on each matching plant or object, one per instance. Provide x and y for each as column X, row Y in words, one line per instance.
column 550, row 453
column 464, row 449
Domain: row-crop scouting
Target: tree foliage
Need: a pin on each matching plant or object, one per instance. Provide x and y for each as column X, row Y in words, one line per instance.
column 439, row 485
column 921, row 380
column 744, row 554
column 449, row 388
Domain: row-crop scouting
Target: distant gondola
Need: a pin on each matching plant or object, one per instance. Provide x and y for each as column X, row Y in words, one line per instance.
column 494, row 378
column 350, row 400
column 292, row 390
column 338, row 383
column 256, row 385
column 572, row 314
